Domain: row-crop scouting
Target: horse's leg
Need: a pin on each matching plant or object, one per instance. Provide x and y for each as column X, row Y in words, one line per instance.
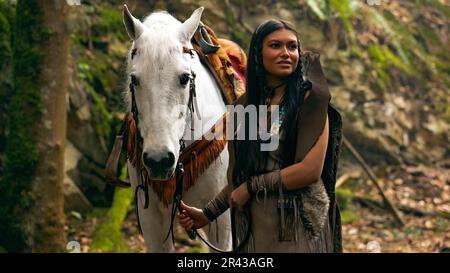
column 154, row 220
column 219, row 232
column 155, row 223
column 205, row 189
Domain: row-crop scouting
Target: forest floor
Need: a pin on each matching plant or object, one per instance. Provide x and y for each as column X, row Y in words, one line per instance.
column 422, row 194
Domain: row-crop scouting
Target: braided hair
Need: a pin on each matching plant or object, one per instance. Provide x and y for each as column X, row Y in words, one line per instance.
column 249, row 157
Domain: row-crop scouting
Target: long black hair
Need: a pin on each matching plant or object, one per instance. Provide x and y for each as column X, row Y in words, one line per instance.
column 250, row 160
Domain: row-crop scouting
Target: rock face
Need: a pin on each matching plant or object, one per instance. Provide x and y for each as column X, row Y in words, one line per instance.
column 387, row 66
column 75, row 200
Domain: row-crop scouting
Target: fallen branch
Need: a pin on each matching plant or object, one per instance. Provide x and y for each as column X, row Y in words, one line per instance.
column 343, row 178
column 422, row 213
column 374, row 179
column 369, row 203
column 374, row 204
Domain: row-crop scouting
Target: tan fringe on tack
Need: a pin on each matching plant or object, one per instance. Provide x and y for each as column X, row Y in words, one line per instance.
column 196, row 158
column 130, row 139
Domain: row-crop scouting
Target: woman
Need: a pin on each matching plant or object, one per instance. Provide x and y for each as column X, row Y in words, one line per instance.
column 282, row 200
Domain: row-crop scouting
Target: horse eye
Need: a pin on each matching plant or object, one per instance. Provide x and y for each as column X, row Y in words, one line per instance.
column 134, row 80
column 184, row 79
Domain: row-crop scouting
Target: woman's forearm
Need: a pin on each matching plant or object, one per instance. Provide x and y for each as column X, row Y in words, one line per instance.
column 309, row 170
column 218, row 205
column 298, row 175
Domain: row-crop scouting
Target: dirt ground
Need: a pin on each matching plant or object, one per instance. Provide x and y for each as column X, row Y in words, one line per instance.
column 422, row 194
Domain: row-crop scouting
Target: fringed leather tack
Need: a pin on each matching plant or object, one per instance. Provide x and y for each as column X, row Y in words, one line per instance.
column 131, row 135
column 196, row 158
column 112, row 164
column 192, row 168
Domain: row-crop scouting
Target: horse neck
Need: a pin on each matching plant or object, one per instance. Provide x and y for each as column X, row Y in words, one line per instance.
column 209, row 99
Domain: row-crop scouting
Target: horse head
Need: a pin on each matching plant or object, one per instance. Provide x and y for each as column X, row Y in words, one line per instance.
column 160, row 74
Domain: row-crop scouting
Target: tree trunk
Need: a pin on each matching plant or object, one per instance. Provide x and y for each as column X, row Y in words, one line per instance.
column 31, row 196
column 7, row 14
column 47, row 214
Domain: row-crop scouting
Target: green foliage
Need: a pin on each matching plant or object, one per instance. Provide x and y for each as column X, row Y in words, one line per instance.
column 111, row 22
column 403, row 34
column 415, row 48
column 348, row 217
column 438, row 6
column 392, row 59
column 320, row 8
column 5, row 34
column 431, row 38
column 108, row 237
column 25, row 109
column 413, row 231
column 238, row 35
column 376, row 18
column 379, row 65
column 345, row 9
column 443, row 67
column 404, row 37
column 7, row 21
column 343, row 197
column 324, row 9
column 103, row 116
column 102, row 52
column 76, row 215
column 382, row 58
column 195, row 249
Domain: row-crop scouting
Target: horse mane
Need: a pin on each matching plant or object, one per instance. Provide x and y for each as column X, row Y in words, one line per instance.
column 161, row 17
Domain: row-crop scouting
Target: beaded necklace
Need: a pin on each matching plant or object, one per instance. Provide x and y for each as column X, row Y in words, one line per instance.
column 276, row 125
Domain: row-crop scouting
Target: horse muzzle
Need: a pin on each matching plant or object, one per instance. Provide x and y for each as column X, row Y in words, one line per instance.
column 161, row 165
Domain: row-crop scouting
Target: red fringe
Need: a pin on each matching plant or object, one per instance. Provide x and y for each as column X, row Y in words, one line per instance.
column 196, row 158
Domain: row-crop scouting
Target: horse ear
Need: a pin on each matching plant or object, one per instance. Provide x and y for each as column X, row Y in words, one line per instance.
column 189, row 27
column 133, row 26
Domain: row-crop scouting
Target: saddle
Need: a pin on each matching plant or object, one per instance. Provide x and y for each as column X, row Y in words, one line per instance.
column 225, row 60
column 227, row 63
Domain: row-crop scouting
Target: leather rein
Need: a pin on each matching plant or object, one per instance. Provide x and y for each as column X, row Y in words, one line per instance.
column 111, row 169
column 179, row 172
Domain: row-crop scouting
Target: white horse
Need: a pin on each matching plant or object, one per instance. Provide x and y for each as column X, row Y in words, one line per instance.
column 159, row 69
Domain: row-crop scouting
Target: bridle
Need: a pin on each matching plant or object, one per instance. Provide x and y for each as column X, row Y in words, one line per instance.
column 179, row 171
column 192, row 106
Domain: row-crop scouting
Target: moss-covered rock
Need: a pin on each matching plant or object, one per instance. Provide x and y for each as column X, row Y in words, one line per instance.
column 7, row 20
column 108, row 237
column 24, row 111
column 5, row 35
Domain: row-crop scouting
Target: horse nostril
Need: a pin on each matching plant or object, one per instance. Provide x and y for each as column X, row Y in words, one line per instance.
column 169, row 161
column 160, row 164
column 148, row 161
